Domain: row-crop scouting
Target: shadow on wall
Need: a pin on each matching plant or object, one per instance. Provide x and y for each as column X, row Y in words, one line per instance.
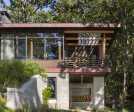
column 30, row 92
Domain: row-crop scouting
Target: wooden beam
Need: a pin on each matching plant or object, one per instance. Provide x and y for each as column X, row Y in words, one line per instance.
column 88, row 31
column 31, row 49
column 69, row 44
column 76, row 38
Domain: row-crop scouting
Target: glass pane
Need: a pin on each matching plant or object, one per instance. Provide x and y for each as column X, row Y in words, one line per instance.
column 53, row 34
column 52, row 83
column 54, row 48
column 7, row 47
column 21, row 49
column 35, row 48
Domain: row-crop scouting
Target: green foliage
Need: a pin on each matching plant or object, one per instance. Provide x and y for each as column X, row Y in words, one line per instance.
column 32, row 68
column 77, row 109
column 46, row 95
column 11, row 72
column 23, row 11
column 43, row 17
column 14, row 73
column 3, row 108
column 25, row 107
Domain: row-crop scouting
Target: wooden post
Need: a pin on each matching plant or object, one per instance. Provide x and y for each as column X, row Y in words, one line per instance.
column 31, row 49
column 103, row 49
column 100, row 51
column 104, row 46
column 59, row 53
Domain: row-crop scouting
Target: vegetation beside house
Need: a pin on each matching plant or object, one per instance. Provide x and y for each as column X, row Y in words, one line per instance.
column 14, row 73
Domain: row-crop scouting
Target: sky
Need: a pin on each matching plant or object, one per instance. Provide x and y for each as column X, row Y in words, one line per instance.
column 7, row 2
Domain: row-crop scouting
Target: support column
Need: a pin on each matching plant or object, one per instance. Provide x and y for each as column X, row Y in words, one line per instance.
column 104, row 46
column 100, row 51
column 59, row 51
column 98, row 91
column 31, row 49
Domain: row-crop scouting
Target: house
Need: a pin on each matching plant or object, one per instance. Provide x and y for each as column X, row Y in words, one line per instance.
column 73, row 54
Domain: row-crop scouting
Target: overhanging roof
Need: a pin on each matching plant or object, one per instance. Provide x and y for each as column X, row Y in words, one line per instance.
column 59, row 25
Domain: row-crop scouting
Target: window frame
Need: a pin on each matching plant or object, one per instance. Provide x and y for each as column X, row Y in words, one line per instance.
column 55, row 87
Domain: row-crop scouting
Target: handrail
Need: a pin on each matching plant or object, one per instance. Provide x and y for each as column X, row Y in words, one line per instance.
column 82, row 62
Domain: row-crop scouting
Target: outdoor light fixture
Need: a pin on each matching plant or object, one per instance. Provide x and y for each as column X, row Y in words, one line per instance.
column 81, row 79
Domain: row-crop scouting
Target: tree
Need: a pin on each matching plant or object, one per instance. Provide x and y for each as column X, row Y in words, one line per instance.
column 23, row 11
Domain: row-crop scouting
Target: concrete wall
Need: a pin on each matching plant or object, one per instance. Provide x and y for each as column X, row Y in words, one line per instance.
column 98, row 88
column 83, row 90
column 7, row 47
column 62, row 93
column 30, row 92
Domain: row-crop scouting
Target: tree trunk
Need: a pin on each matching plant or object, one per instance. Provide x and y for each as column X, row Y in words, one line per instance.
column 125, row 66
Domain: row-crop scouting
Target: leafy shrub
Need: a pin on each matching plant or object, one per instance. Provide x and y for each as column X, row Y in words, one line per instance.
column 14, row 73
column 25, row 107
column 32, row 68
column 11, row 72
column 77, row 109
column 46, row 95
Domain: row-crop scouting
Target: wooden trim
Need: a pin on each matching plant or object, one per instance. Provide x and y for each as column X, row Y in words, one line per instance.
column 70, row 44
column 31, row 49
column 88, row 31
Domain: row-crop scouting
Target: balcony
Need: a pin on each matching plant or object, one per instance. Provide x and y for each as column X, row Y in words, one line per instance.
column 85, row 63
column 72, row 62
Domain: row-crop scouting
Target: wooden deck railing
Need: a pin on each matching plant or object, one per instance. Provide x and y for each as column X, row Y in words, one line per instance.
column 84, row 63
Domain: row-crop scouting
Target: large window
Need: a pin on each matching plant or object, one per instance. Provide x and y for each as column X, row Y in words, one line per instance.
column 36, row 46
column 52, row 83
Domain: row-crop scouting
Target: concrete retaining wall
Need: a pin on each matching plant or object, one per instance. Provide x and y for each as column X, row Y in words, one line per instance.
column 30, row 92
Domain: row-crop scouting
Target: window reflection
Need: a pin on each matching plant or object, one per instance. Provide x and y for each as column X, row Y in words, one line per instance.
column 52, row 83
column 53, row 35
column 54, row 48
column 35, row 48
column 21, row 49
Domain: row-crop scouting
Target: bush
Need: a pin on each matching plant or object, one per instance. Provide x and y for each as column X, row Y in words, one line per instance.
column 11, row 72
column 46, row 95
column 32, row 68
column 77, row 109
column 14, row 73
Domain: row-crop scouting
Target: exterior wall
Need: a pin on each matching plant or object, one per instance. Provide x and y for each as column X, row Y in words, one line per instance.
column 7, row 48
column 83, row 105
column 62, row 93
column 30, row 92
column 98, row 88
